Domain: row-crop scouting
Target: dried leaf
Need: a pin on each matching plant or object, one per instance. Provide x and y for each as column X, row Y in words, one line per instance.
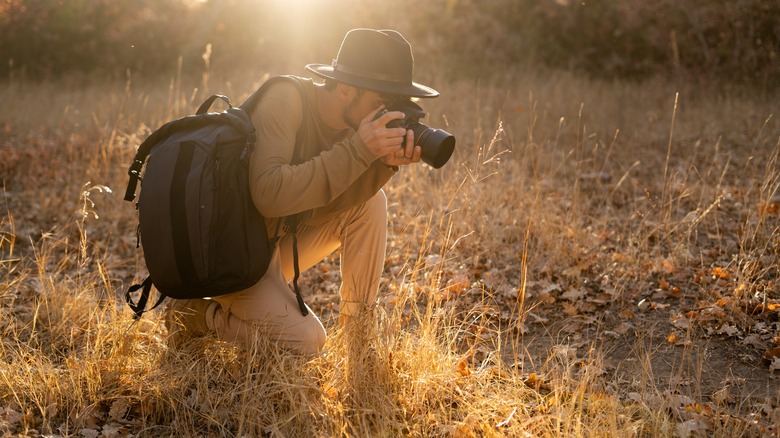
column 681, row 322
column 729, row 330
column 119, row 409
column 573, row 294
column 11, row 417
column 569, row 309
column 754, row 340
column 537, row 319
column 536, row 382
column 723, row 302
column 698, row 408
column 720, row 273
column 667, row 266
column 695, row 427
column 458, row 284
column 722, row 396
column 463, row 368
column 602, row 299
column 770, row 357
column 89, row 433
column 113, row 430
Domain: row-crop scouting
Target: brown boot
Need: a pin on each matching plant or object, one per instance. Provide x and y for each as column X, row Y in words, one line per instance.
column 187, row 319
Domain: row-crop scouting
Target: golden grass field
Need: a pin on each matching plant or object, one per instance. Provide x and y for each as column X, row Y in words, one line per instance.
column 597, row 259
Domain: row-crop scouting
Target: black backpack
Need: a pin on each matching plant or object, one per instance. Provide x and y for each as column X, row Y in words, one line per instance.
column 201, row 233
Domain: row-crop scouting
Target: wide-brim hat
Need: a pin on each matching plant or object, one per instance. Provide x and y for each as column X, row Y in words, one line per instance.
column 377, row 60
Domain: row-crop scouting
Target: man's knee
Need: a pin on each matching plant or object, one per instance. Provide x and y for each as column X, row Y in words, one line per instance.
column 311, row 344
column 377, row 205
column 373, row 211
column 306, row 338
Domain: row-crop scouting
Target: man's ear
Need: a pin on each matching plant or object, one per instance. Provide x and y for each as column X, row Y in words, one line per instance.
column 345, row 92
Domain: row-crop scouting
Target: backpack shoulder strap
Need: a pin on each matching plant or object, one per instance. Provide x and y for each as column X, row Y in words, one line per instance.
column 255, row 97
column 251, row 102
column 139, row 307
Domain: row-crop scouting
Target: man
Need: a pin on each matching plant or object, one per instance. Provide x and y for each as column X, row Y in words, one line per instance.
column 322, row 156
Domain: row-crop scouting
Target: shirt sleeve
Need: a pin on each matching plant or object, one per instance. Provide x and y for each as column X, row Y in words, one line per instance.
column 366, row 186
column 280, row 188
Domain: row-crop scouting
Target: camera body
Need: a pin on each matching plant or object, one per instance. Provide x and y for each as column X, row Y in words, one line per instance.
column 437, row 145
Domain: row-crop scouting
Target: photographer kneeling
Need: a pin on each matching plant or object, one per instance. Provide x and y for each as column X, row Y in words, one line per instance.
column 323, row 154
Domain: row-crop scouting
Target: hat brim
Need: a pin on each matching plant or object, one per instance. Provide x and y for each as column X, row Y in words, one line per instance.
column 412, row 90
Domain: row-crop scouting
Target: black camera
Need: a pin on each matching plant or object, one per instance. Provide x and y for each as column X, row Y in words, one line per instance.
column 437, row 145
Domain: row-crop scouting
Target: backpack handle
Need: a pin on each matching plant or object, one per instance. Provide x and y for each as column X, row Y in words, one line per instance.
column 207, row 104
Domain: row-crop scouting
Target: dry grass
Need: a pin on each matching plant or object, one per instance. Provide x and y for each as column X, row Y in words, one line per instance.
column 530, row 285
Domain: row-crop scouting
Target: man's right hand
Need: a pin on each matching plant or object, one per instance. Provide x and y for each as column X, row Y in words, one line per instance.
column 378, row 138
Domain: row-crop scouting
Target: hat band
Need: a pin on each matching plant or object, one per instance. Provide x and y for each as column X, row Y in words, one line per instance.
column 376, row 76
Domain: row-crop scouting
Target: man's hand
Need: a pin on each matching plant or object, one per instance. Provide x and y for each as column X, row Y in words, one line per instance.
column 406, row 155
column 388, row 143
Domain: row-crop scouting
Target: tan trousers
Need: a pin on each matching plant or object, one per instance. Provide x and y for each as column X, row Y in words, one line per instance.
column 269, row 308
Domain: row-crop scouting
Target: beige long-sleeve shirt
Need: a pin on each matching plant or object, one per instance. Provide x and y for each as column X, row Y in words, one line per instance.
column 331, row 171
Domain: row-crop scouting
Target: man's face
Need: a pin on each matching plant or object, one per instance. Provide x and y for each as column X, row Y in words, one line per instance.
column 363, row 103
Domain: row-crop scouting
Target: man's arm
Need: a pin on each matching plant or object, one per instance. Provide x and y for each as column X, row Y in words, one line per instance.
column 280, row 188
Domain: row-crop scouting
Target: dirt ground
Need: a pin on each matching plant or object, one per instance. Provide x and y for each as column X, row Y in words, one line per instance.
column 647, row 353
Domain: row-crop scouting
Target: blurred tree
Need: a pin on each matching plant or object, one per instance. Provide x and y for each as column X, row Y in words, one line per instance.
column 734, row 40
column 51, row 37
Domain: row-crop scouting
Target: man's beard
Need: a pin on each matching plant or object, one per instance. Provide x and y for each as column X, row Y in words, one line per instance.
column 349, row 109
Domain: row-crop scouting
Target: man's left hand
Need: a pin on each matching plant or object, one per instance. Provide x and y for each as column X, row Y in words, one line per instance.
column 406, row 155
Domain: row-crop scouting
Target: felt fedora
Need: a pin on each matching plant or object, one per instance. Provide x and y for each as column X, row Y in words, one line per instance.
column 377, row 60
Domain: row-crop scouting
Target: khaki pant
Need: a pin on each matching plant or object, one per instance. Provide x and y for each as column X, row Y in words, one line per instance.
column 269, row 308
